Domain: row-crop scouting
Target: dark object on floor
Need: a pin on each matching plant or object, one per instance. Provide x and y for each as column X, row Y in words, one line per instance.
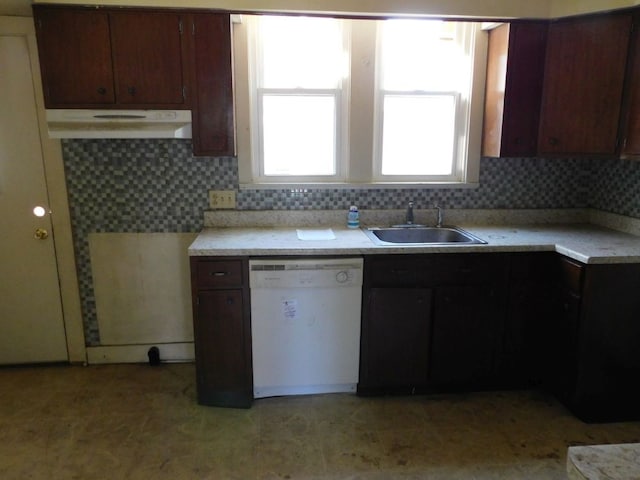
column 154, row 356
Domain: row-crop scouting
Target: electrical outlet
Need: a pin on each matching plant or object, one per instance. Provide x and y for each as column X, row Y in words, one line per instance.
column 219, row 199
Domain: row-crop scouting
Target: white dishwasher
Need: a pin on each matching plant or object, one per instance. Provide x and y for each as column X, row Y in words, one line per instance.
column 305, row 325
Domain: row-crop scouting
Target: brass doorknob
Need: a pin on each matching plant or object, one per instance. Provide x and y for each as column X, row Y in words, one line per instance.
column 41, row 234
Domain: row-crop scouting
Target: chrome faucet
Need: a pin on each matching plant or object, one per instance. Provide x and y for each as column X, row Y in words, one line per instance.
column 440, row 214
column 409, row 218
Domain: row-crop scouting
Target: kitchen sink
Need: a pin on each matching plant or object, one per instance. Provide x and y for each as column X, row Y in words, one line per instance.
column 420, row 235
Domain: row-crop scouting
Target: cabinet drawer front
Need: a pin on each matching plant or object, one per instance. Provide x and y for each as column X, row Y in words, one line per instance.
column 570, row 276
column 469, row 268
column 223, row 273
column 402, row 271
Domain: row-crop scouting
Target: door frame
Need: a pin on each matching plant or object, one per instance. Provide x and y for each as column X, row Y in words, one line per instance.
column 58, row 199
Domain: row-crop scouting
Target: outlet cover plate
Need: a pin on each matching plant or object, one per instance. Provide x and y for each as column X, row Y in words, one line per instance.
column 220, row 199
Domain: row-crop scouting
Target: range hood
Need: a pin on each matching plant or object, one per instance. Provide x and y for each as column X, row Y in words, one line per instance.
column 69, row 123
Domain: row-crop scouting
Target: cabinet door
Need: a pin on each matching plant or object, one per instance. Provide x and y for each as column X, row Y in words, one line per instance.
column 75, row 56
column 563, row 370
column 584, row 76
column 466, row 320
column 529, row 306
column 563, row 330
column 223, row 364
column 395, row 343
column 147, row 57
column 213, row 125
column 515, row 68
column 631, row 143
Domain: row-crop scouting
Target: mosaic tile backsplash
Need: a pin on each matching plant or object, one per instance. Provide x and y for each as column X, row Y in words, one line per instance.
column 158, row 186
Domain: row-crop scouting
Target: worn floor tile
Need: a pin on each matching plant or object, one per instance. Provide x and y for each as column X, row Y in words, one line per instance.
column 140, row 422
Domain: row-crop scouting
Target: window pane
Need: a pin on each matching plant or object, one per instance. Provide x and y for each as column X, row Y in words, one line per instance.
column 418, row 135
column 420, row 55
column 300, row 52
column 299, row 134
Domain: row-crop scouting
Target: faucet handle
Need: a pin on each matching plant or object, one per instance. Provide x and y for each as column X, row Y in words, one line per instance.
column 440, row 210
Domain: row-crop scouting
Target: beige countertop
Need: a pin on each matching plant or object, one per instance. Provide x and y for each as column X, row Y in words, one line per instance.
column 600, row 462
column 586, row 243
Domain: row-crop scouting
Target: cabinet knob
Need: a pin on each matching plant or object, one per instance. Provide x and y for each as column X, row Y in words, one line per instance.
column 131, row 90
column 229, row 300
column 102, row 90
column 554, row 141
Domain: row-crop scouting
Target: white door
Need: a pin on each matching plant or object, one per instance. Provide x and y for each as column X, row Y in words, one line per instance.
column 31, row 321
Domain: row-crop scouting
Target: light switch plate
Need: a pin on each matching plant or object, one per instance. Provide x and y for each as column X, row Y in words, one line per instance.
column 219, row 199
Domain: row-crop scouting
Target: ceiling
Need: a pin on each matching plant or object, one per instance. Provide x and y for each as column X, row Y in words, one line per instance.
column 546, row 8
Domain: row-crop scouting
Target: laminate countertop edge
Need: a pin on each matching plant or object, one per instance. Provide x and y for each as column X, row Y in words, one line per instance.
column 586, row 243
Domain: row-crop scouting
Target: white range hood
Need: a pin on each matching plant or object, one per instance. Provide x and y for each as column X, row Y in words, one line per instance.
column 70, row 123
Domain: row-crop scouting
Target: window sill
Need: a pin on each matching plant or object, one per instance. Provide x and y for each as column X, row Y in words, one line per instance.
column 357, row 186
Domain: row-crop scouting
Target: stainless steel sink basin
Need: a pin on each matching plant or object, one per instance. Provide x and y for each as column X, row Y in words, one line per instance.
column 420, row 236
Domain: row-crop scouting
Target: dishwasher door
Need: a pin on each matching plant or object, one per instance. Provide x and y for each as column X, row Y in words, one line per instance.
column 305, row 325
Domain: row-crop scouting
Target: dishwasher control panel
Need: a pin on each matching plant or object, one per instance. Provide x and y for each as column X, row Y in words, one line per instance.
column 313, row 272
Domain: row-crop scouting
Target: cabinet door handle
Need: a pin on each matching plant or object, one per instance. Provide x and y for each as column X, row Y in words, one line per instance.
column 219, row 274
column 131, row 90
column 102, row 90
column 554, row 141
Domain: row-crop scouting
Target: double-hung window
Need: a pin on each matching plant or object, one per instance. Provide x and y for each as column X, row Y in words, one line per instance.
column 299, row 105
column 423, row 88
column 343, row 102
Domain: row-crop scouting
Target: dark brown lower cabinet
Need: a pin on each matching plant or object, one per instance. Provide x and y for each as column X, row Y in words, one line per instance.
column 222, row 331
column 525, row 338
column 451, row 322
column 431, row 322
column 395, row 340
column 467, row 330
column 595, row 339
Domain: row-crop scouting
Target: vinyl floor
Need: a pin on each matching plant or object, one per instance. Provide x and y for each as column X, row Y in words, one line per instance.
column 143, row 422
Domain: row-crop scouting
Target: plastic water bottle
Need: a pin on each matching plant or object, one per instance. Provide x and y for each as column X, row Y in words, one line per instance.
column 353, row 217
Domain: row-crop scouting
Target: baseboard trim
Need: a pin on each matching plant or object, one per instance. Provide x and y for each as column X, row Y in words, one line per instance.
column 169, row 353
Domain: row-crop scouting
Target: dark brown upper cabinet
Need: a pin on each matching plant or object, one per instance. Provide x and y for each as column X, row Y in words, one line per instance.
column 111, row 58
column 515, row 70
column 583, row 85
column 630, row 122
column 75, row 56
column 213, row 120
column 147, row 57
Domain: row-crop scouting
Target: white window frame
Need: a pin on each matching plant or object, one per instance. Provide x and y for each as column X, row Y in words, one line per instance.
column 456, row 161
column 256, row 102
column 466, row 35
column 338, row 155
column 356, row 136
